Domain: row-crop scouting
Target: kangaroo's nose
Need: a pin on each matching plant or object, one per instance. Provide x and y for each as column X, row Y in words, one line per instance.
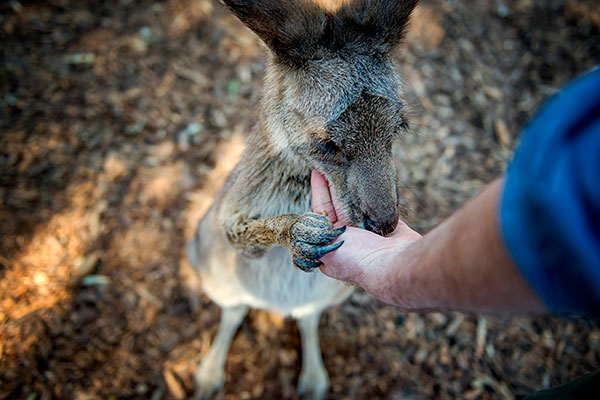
column 382, row 228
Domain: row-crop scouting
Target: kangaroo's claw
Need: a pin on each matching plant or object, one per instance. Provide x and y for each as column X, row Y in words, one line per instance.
column 309, row 260
column 337, row 232
column 306, row 265
column 310, row 236
column 312, row 251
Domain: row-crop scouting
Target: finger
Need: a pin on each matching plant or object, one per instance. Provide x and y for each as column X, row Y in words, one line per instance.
column 321, row 197
column 334, row 266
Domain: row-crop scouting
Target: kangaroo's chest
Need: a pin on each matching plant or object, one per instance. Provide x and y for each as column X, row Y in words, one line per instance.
column 272, row 282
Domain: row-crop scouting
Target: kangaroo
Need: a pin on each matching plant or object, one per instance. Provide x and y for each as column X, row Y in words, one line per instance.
column 331, row 101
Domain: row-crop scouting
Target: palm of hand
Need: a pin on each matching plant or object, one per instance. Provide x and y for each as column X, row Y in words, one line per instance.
column 364, row 258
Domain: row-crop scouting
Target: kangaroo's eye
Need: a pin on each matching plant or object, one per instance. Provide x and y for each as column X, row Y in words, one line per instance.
column 328, row 147
column 404, row 126
column 331, row 147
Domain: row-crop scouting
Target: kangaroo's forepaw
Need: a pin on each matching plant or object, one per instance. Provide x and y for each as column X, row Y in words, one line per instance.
column 310, row 236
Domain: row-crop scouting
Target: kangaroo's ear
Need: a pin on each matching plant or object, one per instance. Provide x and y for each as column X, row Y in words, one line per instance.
column 290, row 28
column 379, row 24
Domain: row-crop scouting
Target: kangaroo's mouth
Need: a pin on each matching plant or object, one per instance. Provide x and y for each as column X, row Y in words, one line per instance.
column 338, row 210
column 331, row 202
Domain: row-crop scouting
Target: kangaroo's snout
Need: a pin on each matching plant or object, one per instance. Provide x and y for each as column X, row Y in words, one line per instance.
column 380, row 214
column 381, row 228
column 381, row 223
column 373, row 187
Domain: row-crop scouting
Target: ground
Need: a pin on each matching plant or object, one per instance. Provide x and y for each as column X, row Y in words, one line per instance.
column 120, row 120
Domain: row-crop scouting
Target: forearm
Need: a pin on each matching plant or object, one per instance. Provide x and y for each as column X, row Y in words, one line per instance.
column 254, row 236
column 462, row 264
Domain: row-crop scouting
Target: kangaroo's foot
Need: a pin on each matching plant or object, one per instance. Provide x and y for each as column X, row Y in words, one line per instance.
column 314, row 382
column 210, row 375
column 313, row 385
column 309, row 238
column 208, row 381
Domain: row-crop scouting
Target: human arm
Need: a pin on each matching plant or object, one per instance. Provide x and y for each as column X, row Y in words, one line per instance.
column 461, row 264
column 544, row 216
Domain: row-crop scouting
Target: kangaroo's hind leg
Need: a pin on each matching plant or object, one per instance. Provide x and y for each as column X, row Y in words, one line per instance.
column 314, row 382
column 210, row 375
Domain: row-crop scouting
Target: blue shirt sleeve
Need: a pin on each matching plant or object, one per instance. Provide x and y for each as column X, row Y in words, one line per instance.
column 550, row 207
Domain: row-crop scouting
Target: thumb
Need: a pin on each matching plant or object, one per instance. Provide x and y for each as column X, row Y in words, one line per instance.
column 321, row 198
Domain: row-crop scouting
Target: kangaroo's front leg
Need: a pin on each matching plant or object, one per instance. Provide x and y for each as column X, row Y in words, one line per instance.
column 307, row 236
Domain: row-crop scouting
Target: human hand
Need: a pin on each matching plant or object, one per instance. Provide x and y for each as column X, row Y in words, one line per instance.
column 365, row 258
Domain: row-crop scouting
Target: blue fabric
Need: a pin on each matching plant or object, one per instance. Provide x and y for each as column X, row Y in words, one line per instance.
column 550, row 208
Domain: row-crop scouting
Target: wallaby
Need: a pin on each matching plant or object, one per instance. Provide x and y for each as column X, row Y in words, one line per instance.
column 331, row 101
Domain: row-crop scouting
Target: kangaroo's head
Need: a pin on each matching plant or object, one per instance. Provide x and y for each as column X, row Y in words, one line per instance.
column 332, row 95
